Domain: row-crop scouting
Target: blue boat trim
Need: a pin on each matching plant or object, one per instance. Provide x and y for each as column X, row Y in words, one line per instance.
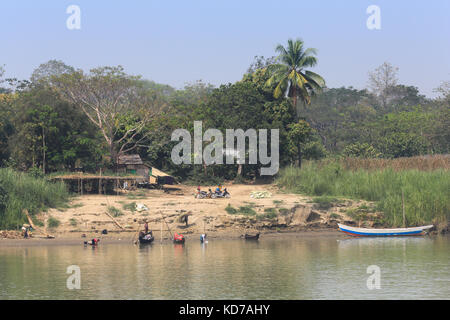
column 382, row 234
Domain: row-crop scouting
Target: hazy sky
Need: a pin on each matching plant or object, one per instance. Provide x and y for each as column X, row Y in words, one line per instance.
column 176, row 42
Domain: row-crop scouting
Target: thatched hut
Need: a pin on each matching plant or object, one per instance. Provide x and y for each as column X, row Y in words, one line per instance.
column 133, row 164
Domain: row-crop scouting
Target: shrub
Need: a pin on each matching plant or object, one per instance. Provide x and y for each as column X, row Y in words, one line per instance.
column 53, row 222
column 229, row 209
column 129, row 206
column 114, row 211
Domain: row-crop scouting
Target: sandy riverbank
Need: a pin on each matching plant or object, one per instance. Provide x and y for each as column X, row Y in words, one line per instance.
column 289, row 214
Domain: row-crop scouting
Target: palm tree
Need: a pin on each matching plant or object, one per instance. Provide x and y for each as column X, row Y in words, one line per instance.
column 290, row 75
column 292, row 79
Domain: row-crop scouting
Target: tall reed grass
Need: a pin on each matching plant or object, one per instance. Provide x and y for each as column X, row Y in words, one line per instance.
column 426, row 193
column 21, row 191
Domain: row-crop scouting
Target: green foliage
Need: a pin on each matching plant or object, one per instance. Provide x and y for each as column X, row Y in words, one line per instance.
column 129, row 206
column 114, row 211
column 243, row 210
column 269, row 213
column 53, row 223
column 73, row 222
column 231, row 210
column 19, row 191
column 334, row 216
column 204, row 179
column 426, row 193
column 361, row 150
column 324, row 202
column 247, row 210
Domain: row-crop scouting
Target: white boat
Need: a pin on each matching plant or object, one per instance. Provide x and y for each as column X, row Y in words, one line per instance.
column 365, row 232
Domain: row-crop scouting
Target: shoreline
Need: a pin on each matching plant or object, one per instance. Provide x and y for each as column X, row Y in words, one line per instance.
column 309, row 234
column 192, row 237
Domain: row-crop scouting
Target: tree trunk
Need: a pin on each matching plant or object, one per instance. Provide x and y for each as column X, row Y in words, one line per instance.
column 239, row 171
column 299, row 156
column 114, row 156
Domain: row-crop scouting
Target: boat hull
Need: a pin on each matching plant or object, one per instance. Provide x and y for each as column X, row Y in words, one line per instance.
column 397, row 232
column 250, row 237
column 142, row 240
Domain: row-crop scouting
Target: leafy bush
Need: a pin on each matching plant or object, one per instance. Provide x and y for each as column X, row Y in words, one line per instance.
column 247, row 211
column 129, row 206
column 73, row 222
column 114, row 211
column 53, row 222
column 229, row 209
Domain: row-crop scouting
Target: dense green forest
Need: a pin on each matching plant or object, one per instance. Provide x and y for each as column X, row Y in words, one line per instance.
column 62, row 118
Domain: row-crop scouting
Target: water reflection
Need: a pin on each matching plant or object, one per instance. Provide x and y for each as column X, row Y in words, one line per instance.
column 316, row 268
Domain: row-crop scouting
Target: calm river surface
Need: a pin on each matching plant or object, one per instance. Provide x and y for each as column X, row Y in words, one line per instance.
column 293, row 268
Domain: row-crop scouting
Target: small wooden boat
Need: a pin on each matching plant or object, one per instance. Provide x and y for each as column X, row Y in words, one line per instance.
column 146, row 238
column 178, row 238
column 251, row 237
column 365, row 232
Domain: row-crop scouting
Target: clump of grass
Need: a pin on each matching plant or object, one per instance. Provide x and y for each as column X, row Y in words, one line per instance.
column 19, row 191
column 77, row 205
column 169, row 204
column 114, row 211
column 277, row 202
column 137, row 195
column 53, row 223
column 231, row 210
column 37, row 222
column 334, row 216
column 73, row 222
column 425, row 192
column 269, row 213
column 356, row 214
column 283, row 211
column 324, row 202
column 247, row 211
column 129, row 206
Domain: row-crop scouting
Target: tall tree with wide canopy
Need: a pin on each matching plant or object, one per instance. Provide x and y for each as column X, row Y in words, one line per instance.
column 118, row 104
column 289, row 73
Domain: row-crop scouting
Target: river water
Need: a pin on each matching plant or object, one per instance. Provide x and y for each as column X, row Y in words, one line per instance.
column 292, row 268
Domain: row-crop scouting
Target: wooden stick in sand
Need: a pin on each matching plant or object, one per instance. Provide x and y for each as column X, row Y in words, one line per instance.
column 30, row 221
column 114, row 220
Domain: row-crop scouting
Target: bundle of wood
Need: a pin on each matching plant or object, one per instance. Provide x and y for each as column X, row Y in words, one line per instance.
column 10, row 235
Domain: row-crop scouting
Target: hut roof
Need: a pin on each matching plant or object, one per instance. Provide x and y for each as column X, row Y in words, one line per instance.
column 130, row 159
column 158, row 173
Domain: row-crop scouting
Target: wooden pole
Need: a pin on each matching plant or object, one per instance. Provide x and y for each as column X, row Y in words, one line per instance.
column 114, row 220
column 161, row 231
column 168, row 228
column 134, row 236
column 403, row 209
column 100, row 183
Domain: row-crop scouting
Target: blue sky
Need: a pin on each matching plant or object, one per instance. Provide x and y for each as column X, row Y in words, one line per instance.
column 176, row 42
